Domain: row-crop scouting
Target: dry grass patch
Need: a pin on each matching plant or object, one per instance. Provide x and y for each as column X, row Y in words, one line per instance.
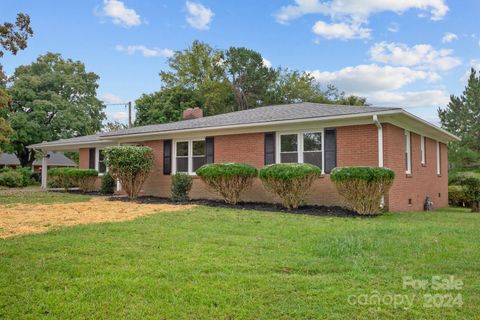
column 17, row 219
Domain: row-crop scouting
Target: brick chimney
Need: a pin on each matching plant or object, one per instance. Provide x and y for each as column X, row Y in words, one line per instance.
column 192, row 113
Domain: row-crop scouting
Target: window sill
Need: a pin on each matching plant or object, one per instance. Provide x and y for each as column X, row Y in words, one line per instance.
column 439, row 175
column 424, row 165
column 408, row 175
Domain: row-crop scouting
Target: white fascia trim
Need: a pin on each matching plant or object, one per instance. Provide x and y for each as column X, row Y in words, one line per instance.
column 256, row 124
column 451, row 135
column 84, row 143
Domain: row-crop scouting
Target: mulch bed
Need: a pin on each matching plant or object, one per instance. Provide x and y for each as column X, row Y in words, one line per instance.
column 259, row 206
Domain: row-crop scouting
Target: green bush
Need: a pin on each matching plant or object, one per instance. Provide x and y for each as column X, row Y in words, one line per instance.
column 131, row 165
column 26, row 174
column 291, row 182
column 84, row 178
column 71, row 177
column 229, row 180
column 457, row 197
column 181, row 186
column 471, row 188
column 62, row 178
column 456, row 177
column 11, row 179
column 108, row 184
column 363, row 187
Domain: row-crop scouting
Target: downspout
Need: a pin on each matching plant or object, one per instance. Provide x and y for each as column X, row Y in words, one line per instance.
column 380, row 140
column 380, row 148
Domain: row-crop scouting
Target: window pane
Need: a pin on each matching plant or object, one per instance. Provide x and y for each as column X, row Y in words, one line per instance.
column 312, row 141
column 314, row 158
column 198, row 148
column 288, row 142
column 198, row 162
column 182, row 164
column 182, row 148
column 291, row 157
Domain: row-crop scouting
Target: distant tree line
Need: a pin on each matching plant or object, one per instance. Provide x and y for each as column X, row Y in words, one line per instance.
column 221, row 81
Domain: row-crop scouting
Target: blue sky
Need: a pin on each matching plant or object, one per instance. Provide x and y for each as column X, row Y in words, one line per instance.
column 408, row 53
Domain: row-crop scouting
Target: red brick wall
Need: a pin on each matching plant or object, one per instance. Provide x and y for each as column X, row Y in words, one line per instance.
column 356, row 145
column 83, row 158
column 423, row 181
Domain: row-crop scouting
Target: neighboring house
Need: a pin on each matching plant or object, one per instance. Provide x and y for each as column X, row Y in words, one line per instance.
column 326, row 135
column 55, row 159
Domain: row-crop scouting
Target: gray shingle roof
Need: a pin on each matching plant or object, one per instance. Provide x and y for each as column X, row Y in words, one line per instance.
column 295, row 111
column 56, row 159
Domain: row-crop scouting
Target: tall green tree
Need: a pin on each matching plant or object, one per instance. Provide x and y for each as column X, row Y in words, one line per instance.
column 53, row 98
column 164, row 106
column 13, row 37
column 462, row 118
column 249, row 77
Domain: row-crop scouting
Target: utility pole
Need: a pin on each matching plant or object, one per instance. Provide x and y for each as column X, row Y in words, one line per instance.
column 129, row 114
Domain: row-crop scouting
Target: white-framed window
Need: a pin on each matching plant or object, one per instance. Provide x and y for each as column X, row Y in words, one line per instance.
column 439, row 160
column 422, row 150
column 100, row 161
column 408, row 155
column 189, row 155
column 301, row 147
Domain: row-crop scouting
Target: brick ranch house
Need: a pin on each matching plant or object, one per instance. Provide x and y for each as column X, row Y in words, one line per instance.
column 325, row 135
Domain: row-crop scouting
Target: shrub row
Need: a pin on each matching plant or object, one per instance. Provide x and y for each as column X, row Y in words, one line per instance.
column 16, row 178
column 69, row 177
column 362, row 187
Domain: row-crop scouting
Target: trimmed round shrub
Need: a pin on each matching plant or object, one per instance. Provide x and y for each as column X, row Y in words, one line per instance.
column 26, row 175
column 108, row 184
column 363, row 187
column 291, row 182
column 11, row 179
column 181, row 186
column 131, row 165
column 229, row 180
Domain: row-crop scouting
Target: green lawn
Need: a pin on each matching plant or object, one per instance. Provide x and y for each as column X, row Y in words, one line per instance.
column 215, row 263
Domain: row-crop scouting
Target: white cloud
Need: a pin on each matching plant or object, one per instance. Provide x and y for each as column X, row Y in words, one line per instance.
column 198, row 16
column 359, row 10
column 475, row 64
column 110, row 98
column 146, row 52
column 120, row 14
column 411, row 99
column 120, row 116
column 449, row 37
column 340, row 30
column 267, row 63
column 423, row 56
column 368, row 78
column 394, row 27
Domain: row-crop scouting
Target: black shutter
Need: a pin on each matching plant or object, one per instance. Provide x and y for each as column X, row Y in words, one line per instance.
column 167, row 157
column 91, row 158
column 269, row 148
column 330, row 140
column 209, row 150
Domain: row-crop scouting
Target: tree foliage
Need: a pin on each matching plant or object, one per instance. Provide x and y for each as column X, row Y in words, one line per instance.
column 221, row 81
column 14, row 36
column 53, row 98
column 462, row 118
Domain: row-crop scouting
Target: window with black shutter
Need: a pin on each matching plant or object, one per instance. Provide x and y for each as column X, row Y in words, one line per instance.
column 167, row 157
column 209, row 150
column 91, row 158
column 330, row 141
column 269, row 148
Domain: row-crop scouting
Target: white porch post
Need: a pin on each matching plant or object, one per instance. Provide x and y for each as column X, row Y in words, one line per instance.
column 44, row 169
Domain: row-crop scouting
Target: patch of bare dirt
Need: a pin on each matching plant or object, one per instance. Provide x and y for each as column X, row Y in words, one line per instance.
column 17, row 219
